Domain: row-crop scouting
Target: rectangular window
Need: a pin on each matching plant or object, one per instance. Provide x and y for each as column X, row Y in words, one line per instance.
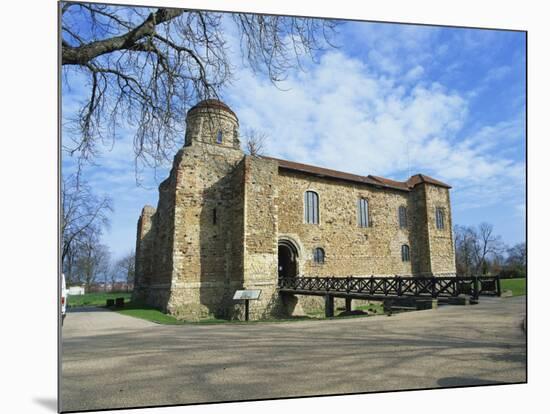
column 405, row 253
column 402, row 217
column 311, row 207
column 439, row 218
column 214, row 216
column 319, row 255
column 363, row 212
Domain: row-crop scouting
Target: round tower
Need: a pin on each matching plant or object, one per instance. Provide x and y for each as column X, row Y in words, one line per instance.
column 212, row 122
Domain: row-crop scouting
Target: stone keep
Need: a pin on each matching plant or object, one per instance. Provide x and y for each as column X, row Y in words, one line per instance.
column 226, row 221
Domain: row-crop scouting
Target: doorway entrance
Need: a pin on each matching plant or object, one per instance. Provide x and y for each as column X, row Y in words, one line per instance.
column 288, row 258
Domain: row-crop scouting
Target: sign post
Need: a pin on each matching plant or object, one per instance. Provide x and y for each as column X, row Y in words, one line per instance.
column 247, row 295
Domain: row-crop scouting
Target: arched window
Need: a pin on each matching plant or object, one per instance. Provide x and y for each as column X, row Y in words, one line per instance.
column 402, row 216
column 439, row 218
column 363, row 212
column 405, row 253
column 318, row 255
column 311, row 207
column 219, row 137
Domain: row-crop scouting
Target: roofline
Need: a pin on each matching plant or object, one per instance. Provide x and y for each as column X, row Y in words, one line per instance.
column 210, row 104
column 372, row 180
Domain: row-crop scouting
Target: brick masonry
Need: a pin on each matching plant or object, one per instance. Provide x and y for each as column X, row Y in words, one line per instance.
column 221, row 216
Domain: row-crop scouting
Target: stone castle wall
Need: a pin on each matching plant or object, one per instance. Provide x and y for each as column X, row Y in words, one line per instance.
column 441, row 249
column 221, row 215
column 350, row 250
column 206, row 260
column 260, row 237
column 144, row 241
column 197, row 230
column 420, row 245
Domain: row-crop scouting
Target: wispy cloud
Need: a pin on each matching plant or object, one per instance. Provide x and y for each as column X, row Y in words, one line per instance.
column 498, row 73
column 343, row 115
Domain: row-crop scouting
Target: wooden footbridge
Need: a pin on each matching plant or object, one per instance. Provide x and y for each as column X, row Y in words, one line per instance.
column 390, row 288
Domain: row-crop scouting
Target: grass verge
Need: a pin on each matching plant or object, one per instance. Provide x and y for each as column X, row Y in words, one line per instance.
column 374, row 308
column 154, row 315
column 517, row 286
column 95, row 299
column 148, row 313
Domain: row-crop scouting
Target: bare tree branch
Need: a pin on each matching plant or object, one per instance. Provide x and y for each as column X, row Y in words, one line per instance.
column 85, row 53
column 475, row 248
column 83, row 213
column 254, row 141
column 146, row 67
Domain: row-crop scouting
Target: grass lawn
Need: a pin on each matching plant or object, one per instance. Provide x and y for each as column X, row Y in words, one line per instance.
column 95, row 299
column 154, row 315
column 517, row 286
column 149, row 314
column 372, row 308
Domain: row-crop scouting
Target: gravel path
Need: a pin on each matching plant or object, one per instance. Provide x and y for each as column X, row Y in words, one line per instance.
column 111, row 360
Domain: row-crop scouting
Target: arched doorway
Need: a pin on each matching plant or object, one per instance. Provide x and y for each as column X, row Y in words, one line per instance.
column 288, row 259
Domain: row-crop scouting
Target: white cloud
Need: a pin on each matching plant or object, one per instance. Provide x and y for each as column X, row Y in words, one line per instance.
column 414, row 73
column 498, row 73
column 394, row 48
column 344, row 115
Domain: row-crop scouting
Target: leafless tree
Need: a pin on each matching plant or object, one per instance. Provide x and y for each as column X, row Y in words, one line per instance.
column 127, row 267
column 487, row 246
column 516, row 262
column 465, row 239
column 92, row 261
column 476, row 248
column 83, row 214
column 517, row 255
column 254, row 142
column 145, row 67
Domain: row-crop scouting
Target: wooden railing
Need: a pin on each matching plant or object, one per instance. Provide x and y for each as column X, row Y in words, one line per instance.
column 394, row 286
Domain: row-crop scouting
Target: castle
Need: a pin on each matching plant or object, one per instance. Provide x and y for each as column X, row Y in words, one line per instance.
column 227, row 221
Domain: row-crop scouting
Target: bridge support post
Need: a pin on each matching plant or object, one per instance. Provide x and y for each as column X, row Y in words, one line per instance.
column 348, row 304
column 329, row 306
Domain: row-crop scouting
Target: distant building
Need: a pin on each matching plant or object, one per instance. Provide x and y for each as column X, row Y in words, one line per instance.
column 226, row 221
column 111, row 287
column 76, row 290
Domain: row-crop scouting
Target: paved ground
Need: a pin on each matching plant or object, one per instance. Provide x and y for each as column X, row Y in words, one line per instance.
column 110, row 360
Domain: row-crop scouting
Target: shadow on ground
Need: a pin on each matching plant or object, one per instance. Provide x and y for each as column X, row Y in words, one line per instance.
column 464, row 381
column 49, row 403
column 184, row 364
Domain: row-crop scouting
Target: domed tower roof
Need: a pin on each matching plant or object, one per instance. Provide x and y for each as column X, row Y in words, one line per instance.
column 212, row 104
column 212, row 122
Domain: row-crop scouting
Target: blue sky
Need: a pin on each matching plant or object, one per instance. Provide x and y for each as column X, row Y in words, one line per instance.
column 390, row 100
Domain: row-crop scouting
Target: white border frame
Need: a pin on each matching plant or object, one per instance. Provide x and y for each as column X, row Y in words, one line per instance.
column 29, row 162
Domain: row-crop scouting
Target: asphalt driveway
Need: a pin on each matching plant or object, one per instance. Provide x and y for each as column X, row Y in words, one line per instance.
column 113, row 361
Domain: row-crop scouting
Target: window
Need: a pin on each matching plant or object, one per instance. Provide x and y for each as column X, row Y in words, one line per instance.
column 318, row 255
column 405, row 254
column 363, row 212
column 402, row 216
column 311, row 210
column 439, row 218
column 219, row 137
column 214, row 216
